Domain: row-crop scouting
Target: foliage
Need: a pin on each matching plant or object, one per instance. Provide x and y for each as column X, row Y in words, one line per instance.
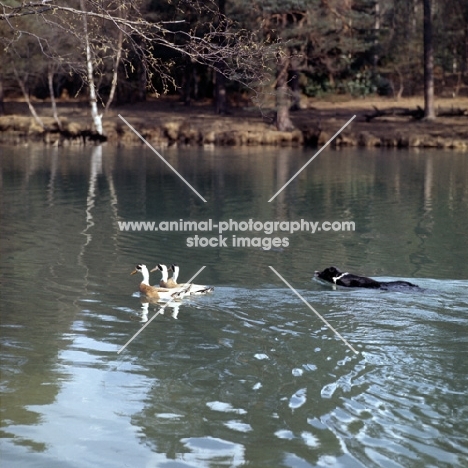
column 154, row 34
column 361, row 84
column 358, row 47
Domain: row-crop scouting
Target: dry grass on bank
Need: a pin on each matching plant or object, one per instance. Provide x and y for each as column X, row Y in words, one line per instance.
column 166, row 121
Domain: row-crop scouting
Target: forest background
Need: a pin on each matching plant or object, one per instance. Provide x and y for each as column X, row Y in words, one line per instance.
column 277, row 57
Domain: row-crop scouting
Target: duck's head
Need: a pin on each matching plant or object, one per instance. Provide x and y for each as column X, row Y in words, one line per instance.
column 159, row 267
column 139, row 269
column 174, row 267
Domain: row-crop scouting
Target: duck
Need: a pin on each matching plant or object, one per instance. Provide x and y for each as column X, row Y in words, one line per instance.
column 195, row 289
column 154, row 293
column 165, row 281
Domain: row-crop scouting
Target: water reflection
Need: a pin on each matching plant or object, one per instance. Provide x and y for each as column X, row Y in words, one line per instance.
column 393, row 198
column 246, row 375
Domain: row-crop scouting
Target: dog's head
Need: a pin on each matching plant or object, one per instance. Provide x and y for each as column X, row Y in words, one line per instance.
column 328, row 274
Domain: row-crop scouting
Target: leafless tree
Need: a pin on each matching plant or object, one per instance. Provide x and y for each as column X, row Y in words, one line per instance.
column 429, row 109
column 107, row 33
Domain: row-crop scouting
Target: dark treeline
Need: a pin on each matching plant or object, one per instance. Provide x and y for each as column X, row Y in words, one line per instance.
column 226, row 50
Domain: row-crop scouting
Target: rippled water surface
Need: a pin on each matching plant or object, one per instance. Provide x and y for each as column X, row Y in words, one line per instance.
column 248, row 375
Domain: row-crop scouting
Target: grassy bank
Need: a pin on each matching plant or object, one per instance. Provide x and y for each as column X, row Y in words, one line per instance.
column 164, row 122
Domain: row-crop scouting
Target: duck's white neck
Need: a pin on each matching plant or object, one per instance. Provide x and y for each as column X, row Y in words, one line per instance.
column 175, row 273
column 145, row 273
column 164, row 273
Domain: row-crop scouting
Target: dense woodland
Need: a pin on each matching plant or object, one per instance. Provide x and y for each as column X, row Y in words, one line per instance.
column 111, row 52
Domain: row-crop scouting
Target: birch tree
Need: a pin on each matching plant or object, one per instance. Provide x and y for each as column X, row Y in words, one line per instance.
column 112, row 32
column 96, row 116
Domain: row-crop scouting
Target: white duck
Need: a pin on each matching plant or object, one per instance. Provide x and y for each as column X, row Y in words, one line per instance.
column 155, row 293
column 165, row 282
column 195, row 289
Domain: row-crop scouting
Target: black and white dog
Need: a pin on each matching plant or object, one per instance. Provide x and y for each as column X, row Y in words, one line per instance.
column 348, row 280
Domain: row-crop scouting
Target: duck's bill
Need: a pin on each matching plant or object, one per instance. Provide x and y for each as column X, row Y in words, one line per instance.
column 133, row 272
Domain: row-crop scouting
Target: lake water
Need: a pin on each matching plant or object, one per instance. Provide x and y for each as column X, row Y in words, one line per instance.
column 248, row 375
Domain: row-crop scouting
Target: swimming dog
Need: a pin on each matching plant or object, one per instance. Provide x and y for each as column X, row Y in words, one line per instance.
column 348, row 280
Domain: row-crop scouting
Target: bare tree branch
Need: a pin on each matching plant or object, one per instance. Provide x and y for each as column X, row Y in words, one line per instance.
column 237, row 50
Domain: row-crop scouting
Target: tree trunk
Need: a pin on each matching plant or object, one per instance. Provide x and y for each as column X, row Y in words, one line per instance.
column 401, row 85
column 375, row 57
column 294, row 84
column 2, row 107
column 283, row 119
column 115, row 73
column 142, row 83
column 187, row 85
column 25, row 92
column 220, row 94
column 220, row 79
column 429, row 109
column 53, row 103
column 465, row 61
column 96, row 116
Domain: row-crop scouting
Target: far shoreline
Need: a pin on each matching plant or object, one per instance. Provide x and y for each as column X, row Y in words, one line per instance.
column 379, row 122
